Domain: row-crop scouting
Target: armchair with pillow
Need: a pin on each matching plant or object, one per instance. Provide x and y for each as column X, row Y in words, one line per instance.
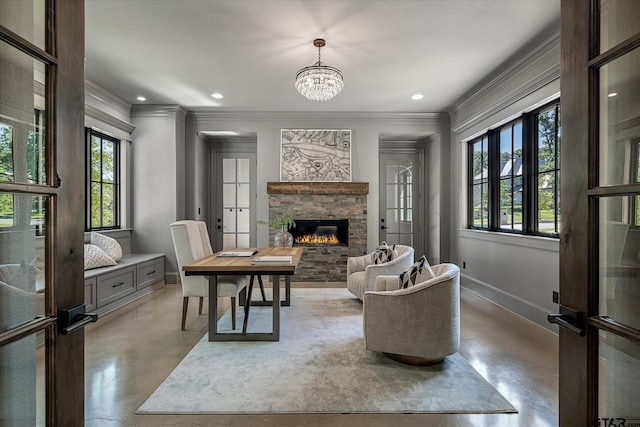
column 415, row 318
column 385, row 260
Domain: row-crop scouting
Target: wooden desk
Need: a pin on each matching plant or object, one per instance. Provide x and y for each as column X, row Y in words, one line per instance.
column 213, row 266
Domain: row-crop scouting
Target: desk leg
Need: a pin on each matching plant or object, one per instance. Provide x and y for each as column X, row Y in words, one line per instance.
column 275, row 301
column 287, row 293
column 244, row 336
column 213, row 306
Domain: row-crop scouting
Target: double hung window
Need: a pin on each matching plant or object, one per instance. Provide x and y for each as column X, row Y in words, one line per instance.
column 514, row 173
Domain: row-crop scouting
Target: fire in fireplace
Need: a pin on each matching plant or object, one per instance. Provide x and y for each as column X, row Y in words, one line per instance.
column 320, row 232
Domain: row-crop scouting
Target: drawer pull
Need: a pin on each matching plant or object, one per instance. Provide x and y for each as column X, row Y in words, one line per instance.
column 151, row 272
column 119, row 284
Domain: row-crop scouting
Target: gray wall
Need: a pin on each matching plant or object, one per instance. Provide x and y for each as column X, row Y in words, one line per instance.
column 158, row 189
column 517, row 272
column 366, row 128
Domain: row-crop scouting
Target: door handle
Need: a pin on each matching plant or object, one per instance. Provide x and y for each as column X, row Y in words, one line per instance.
column 568, row 319
column 75, row 319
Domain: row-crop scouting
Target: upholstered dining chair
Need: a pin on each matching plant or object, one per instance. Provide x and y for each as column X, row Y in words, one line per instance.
column 362, row 270
column 419, row 324
column 191, row 243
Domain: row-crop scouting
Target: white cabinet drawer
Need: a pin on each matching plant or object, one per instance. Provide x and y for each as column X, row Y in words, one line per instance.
column 150, row 272
column 116, row 285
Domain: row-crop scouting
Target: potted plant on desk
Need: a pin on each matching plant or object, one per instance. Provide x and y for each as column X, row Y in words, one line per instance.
column 282, row 238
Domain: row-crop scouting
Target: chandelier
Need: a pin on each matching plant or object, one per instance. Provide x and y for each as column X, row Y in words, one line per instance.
column 319, row 82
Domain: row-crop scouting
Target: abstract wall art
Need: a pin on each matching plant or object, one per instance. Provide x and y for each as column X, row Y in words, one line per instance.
column 315, row 155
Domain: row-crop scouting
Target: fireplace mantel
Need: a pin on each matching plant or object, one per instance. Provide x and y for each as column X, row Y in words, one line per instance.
column 324, row 188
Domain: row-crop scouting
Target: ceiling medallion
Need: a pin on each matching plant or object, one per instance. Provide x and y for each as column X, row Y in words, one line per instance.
column 319, row 82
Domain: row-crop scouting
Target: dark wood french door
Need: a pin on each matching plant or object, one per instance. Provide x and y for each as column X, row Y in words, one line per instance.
column 41, row 212
column 600, row 203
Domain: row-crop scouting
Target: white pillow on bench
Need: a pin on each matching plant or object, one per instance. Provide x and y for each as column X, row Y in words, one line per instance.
column 95, row 257
column 108, row 244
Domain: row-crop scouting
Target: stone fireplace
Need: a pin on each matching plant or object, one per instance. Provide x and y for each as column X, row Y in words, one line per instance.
column 320, row 208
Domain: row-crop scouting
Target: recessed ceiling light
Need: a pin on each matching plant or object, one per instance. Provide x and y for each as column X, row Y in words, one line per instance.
column 612, row 94
column 417, row 96
column 141, row 98
column 217, row 95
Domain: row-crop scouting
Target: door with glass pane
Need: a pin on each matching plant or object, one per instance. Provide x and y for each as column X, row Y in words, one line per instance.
column 41, row 212
column 400, row 211
column 600, row 236
column 235, row 200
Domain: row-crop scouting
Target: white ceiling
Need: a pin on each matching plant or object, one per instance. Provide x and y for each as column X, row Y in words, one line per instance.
column 181, row 51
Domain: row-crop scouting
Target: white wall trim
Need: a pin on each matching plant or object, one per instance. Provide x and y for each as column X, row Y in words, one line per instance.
column 513, row 303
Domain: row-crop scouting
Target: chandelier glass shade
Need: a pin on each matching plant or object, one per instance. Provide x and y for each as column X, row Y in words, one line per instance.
column 319, row 82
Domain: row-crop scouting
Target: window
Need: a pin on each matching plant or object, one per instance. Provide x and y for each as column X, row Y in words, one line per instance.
column 103, row 189
column 480, row 183
column 514, row 175
column 548, row 170
column 511, row 176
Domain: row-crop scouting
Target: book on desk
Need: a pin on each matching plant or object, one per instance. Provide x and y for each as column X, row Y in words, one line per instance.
column 235, row 254
column 272, row 259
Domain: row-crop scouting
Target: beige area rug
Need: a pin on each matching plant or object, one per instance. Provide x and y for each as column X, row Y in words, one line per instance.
column 320, row 365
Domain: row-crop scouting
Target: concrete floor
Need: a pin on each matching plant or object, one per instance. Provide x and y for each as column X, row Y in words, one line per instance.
column 131, row 351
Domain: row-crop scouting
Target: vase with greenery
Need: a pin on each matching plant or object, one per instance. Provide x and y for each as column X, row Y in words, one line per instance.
column 282, row 238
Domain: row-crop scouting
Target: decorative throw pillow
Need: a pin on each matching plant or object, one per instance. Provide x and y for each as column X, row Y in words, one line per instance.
column 383, row 253
column 419, row 272
column 95, row 257
column 107, row 244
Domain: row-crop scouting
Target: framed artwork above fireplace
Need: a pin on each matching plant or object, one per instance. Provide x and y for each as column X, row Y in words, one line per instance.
column 308, row 155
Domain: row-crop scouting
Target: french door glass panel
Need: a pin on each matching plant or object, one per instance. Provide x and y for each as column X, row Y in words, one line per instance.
column 619, row 262
column 236, row 200
column 22, row 286
column 618, row 389
column 618, row 21
column 619, row 112
column 399, row 201
column 25, row 18
column 22, row 380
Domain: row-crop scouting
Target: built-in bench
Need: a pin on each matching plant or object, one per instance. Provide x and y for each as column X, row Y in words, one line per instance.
column 135, row 275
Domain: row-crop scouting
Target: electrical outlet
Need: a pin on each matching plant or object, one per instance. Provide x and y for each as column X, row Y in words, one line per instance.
column 555, row 297
column 464, row 264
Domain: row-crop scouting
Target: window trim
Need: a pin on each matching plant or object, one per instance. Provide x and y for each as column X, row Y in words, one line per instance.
column 90, row 132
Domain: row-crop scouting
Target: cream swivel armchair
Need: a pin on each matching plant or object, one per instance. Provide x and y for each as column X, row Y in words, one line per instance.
column 191, row 243
column 419, row 324
column 362, row 271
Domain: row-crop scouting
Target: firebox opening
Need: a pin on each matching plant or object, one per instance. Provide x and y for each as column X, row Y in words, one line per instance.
column 319, row 232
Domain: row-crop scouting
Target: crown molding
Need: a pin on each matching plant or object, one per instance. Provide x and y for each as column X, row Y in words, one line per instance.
column 200, row 115
column 103, row 97
column 543, row 55
column 174, row 111
column 108, row 119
